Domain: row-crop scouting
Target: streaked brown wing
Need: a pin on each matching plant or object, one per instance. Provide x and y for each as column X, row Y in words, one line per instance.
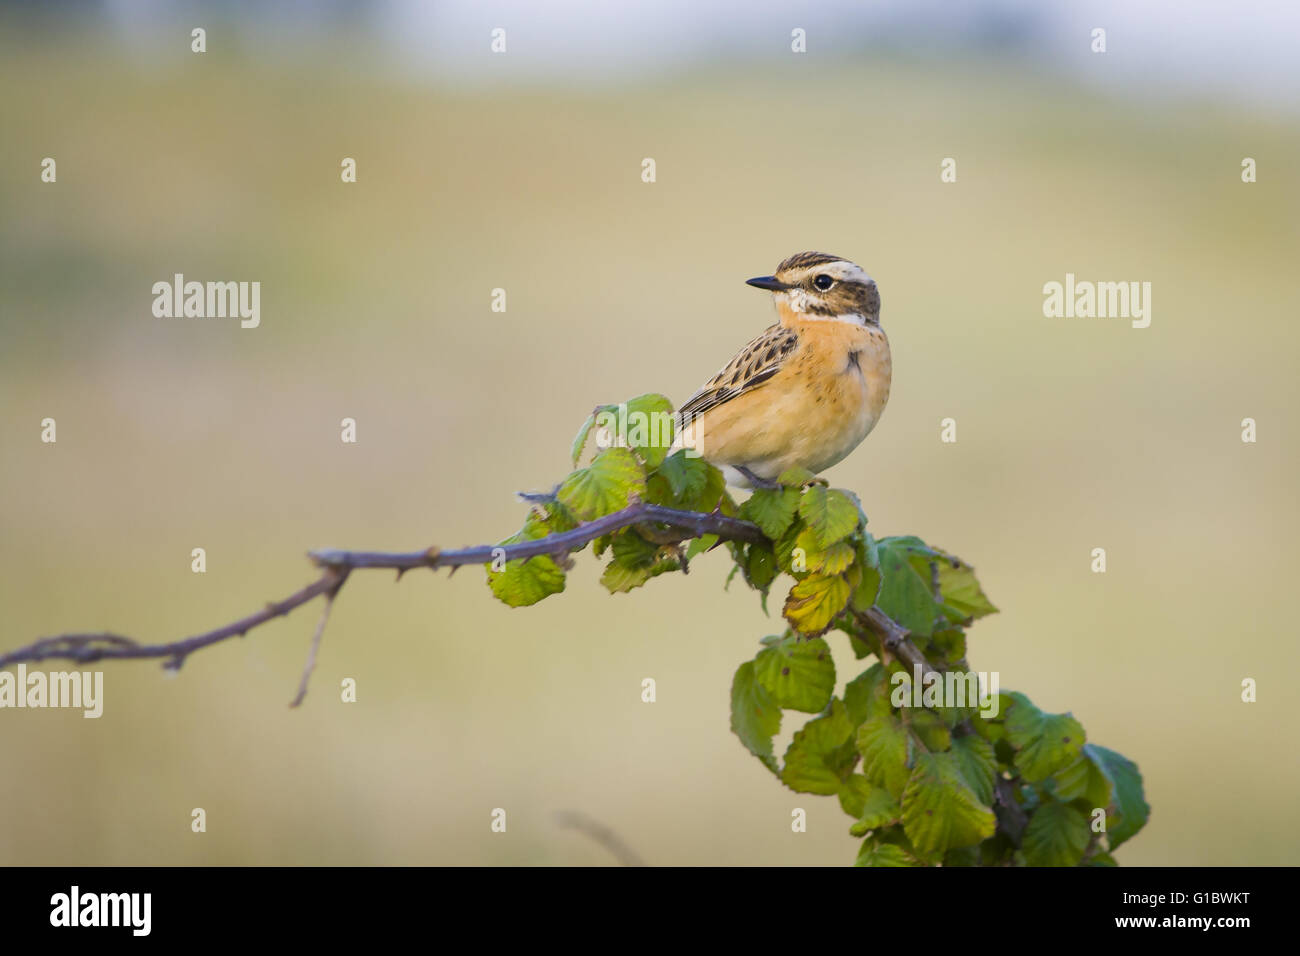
column 753, row 365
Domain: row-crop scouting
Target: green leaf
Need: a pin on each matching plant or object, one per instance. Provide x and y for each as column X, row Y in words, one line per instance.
column 526, row 581
column 618, row 578
column 800, row 675
column 813, row 602
column 868, row 589
column 1057, row 835
column 940, row 811
column 755, row 716
column 961, row 591
column 831, row 515
column 687, row 477
column 959, row 686
column 771, row 510
column 950, row 645
column 978, row 766
column 962, row 856
column 904, row 596
column 649, row 427
column 691, row 484
column 633, row 551
column 853, row 794
column 867, row 695
column 700, row 545
column 796, row 477
column 1130, row 802
column 549, row 517
column 760, row 567
column 1080, row 780
column 909, row 544
column 635, row 562
column 833, row 560
column 883, row 854
column 644, row 423
column 783, row 547
column 580, row 440
column 605, row 485
column 868, row 550
column 1045, row 743
column 931, row 729
column 883, row 743
column 878, row 809
column 821, row 755
column 991, row 730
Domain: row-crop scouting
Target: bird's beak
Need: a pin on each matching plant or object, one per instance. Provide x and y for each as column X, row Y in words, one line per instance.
column 771, row 283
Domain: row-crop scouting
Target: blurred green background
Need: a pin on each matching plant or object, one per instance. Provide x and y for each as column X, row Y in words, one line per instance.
column 175, row 434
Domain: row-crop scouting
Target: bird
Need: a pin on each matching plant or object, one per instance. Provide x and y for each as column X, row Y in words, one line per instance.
column 807, row 390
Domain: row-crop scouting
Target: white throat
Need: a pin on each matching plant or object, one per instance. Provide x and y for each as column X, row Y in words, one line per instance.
column 796, row 300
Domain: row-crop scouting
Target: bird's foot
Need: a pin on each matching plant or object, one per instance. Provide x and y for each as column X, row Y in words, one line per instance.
column 766, row 484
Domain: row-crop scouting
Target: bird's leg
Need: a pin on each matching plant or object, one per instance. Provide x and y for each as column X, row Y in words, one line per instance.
column 765, row 483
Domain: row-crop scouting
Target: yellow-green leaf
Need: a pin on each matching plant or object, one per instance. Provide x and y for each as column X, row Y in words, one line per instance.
column 800, row 675
column 975, row 760
column 940, row 811
column 755, row 716
column 771, row 510
column 526, row 581
column 883, row 854
column 878, row 809
column 821, row 754
column 883, row 743
column 831, row 514
column 813, row 602
column 605, row 485
column 961, row 591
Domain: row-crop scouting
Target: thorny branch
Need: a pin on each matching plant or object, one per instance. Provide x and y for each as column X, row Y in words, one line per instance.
column 85, row 648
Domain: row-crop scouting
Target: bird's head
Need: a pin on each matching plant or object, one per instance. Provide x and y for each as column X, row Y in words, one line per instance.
column 813, row 285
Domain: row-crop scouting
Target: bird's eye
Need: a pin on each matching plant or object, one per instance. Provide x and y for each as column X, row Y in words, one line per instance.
column 823, row 282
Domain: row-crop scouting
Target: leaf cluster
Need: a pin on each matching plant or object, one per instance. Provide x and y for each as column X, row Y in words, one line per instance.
column 929, row 769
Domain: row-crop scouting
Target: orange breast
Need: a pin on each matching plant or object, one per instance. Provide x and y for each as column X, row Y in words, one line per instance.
column 818, row 408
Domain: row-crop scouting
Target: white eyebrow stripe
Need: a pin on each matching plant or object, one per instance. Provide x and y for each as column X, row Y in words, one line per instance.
column 841, row 270
column 847, row 272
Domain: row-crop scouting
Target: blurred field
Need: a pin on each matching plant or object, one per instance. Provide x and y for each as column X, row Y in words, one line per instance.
column 175, row 434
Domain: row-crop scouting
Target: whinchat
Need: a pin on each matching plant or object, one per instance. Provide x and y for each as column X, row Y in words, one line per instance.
column 807, row 390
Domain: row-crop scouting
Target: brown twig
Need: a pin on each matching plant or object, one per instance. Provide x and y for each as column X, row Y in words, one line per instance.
column 894, row 638
column 320, row 630
column 85, row 648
